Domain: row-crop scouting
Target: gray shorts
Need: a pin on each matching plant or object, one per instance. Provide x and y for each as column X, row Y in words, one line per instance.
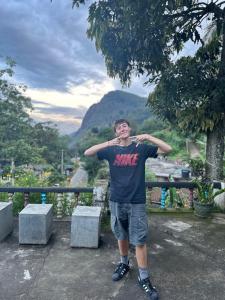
column 129, row 222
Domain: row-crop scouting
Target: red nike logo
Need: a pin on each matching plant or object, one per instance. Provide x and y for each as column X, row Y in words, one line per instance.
column 126, row 160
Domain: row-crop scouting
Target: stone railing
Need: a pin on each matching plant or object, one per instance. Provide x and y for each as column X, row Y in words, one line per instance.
column 165, row 186
column 99, row 194
column 70, row 196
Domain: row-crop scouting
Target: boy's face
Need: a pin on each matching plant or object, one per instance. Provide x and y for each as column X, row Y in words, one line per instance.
column 123, row 130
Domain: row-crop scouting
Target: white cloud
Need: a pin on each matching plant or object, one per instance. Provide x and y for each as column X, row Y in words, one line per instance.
column 85, row 95
column 56, row 60
column 55, row 118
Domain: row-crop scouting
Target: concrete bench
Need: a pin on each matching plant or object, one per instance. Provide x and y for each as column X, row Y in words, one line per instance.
column 35, row 224
column 85, row 226
column 6, row 219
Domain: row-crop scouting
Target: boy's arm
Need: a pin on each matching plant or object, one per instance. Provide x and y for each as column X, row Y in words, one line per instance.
column 162, row 146
column 94, row 149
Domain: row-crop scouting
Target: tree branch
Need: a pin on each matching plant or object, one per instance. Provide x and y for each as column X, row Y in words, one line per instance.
column 185, row 12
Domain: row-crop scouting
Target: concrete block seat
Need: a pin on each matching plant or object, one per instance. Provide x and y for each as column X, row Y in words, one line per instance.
column 6, row 219
column 35, row 224
column 85, row 226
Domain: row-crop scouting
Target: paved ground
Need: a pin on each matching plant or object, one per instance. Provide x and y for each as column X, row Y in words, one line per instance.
column 80, row 178
column 187, row 262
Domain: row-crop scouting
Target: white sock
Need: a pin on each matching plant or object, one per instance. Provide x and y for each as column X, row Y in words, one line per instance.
column 124, row 260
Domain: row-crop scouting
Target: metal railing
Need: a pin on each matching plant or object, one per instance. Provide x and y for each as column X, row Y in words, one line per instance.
column 75, row 193
column 165, row 186
column 72, row 196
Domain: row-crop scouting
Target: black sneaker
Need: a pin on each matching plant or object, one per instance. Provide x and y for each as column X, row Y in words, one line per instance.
column 150, row 290
column 120, row 271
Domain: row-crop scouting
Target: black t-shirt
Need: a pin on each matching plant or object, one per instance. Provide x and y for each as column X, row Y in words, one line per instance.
column 127, row 171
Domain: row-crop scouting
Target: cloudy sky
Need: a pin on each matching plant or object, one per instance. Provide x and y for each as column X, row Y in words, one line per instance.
column 55, row 60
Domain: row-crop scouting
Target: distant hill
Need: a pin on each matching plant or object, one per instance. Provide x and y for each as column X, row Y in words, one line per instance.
column 114, row 105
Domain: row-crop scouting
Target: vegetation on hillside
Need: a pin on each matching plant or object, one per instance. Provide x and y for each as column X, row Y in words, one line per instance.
column 114, row 105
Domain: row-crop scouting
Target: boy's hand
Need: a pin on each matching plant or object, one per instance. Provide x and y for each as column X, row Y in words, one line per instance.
column 114, row 142
column 142, row 137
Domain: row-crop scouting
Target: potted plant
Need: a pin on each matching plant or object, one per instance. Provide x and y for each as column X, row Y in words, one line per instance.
column 205, row 195
column 197, row 166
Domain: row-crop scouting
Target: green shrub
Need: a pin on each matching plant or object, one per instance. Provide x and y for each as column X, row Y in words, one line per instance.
column 86, row 199
column 149, row 175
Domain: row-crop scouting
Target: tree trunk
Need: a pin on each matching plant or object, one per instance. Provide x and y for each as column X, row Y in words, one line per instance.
column 215, row 138
column 215, row 152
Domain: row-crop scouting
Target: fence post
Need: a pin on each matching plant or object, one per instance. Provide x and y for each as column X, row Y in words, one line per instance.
column 99, row 197
column 163, row 197
column 191, row 197
column 26, row 198
column 43, row 198
column 76, row 199
column 59, row 205
column 10, row 197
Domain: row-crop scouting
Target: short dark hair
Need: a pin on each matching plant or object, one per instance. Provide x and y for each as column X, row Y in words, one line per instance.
column 120, row 121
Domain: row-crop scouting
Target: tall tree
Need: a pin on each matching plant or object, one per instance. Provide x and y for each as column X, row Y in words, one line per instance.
column 15, row 123
column 140, row 37
column 187, row 96
column 13, row 106
column 20, row 138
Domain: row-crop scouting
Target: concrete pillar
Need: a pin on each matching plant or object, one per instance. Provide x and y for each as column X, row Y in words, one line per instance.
column 220, row 199
column 6, row 219
column 85, row 226
column 35, row 224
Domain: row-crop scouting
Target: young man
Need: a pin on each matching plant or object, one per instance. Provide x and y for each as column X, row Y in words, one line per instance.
column 129, row 223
